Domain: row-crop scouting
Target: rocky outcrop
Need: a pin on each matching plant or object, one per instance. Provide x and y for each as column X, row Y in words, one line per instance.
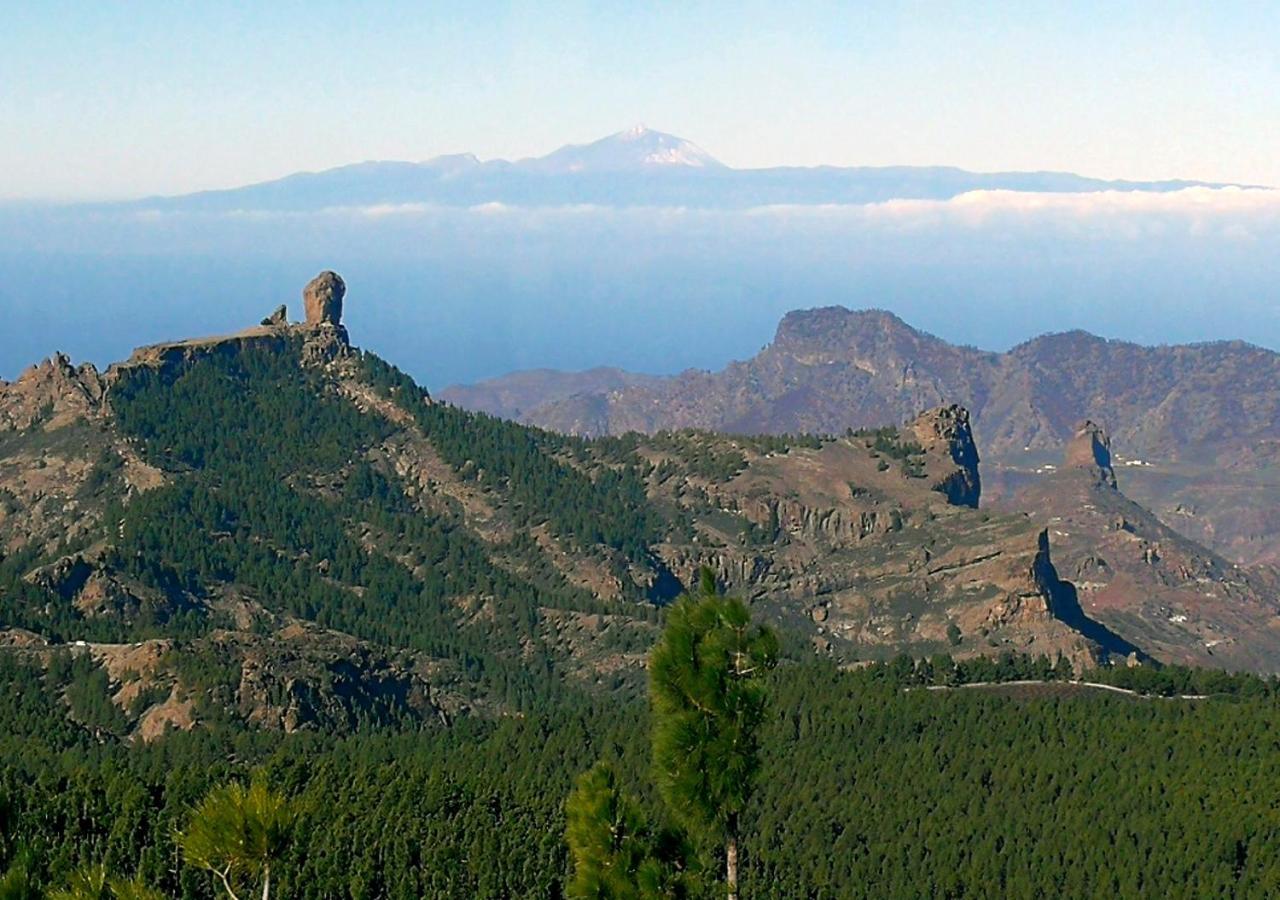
column 51, row 395
column 869, row 554
column 1090, row 450
column 95, row 589
column 174, row 354
column 278, row 318
column 323, row 337
column 1176, row 599
column 326, row 339
column 945, row 434
column 322, row 299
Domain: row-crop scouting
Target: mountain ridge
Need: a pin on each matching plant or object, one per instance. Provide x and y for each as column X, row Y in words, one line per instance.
column 637, row 167
column 1199, row 424
column 279, row 528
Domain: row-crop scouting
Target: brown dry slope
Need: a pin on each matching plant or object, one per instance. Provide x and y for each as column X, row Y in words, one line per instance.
column 1177, row 599
column 1204, row 419
column 871, row 544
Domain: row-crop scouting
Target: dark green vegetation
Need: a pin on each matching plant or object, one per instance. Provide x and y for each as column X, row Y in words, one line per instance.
column 715, row 457
column 864, row 790
column 707, row 701
column 592, row 493
column 616, row 853
column 707, row 698
column 282, row 504
column 274, row 488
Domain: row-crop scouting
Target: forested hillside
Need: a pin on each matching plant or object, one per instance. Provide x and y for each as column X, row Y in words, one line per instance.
column 278, row 529
column 871, row 786
column 271, row 556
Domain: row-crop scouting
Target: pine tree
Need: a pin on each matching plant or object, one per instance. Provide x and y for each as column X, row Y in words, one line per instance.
column 238, row 833
column 17, row 883
column 94, row 883
column 708, row 702
column 616, row 854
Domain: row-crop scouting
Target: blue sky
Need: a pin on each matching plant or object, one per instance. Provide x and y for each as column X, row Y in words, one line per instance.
column 125, row 99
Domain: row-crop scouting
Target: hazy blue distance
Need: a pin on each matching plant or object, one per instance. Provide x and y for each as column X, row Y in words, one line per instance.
column 454, row 295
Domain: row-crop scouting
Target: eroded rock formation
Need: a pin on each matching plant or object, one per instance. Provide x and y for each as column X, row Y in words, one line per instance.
column 50, row 394
column 279, row 317
column 1090, row 449
column 944, row 432
column 322, row 298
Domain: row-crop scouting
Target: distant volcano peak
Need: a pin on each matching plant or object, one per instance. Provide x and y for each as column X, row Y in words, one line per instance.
column 637, row 148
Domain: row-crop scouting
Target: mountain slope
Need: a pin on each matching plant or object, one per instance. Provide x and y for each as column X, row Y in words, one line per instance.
column 1176, row 598
column 1203, row 419
column 278, row 528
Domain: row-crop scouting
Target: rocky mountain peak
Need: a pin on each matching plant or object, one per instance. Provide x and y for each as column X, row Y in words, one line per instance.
column 52, row 392
column 322, row 298
column 945, row 431
column 1090, row 449
column 837, row 326
column 278, row 318
column 637, row 149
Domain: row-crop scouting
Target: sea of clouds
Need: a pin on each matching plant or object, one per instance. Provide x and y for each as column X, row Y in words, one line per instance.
column 455, row 294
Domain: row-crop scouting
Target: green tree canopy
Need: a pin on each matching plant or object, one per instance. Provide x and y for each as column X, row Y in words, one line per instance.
column 94, row 883
column 238, row 833
column 708, row 702
column 616, row 854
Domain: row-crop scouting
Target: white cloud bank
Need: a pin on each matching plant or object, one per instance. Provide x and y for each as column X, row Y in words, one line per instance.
column 1234, row 213
column 1239, row 213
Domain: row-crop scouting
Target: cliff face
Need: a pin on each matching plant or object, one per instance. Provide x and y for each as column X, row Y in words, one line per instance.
column 945, row 434
column 1177, row 599
column 1089, row 451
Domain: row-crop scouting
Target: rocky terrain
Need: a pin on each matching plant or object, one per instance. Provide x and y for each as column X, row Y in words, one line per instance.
column 276, row 527
column 1179, row 600
column 1199, row 424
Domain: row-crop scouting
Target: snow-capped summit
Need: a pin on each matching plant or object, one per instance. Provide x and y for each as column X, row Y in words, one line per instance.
column 636, row 148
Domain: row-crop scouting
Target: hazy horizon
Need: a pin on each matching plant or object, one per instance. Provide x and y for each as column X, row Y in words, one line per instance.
column 152, row 99
column 652, row 260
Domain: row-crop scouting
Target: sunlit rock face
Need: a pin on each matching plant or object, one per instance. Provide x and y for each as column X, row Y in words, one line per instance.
column 322, row 298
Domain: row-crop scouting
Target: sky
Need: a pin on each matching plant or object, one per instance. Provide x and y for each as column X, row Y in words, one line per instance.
column 113, row 100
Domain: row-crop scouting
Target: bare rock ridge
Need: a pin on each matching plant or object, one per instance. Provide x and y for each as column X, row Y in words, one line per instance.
column 323, row 335
column 277, row 318
column 50, row 393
